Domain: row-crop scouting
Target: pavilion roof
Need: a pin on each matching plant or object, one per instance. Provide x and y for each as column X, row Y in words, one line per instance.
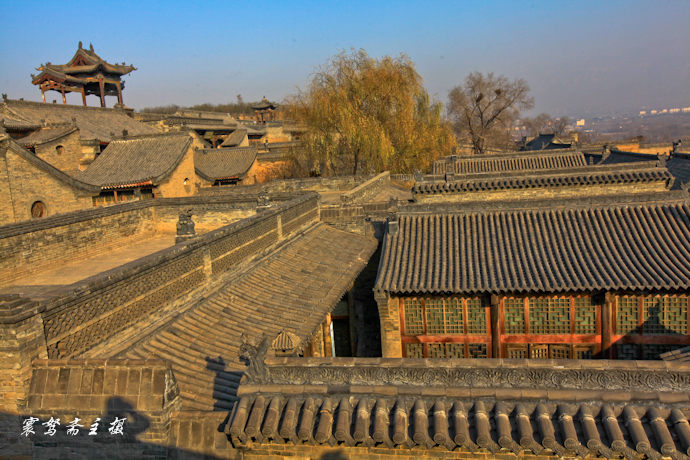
column 83, row 62
column 264, row 104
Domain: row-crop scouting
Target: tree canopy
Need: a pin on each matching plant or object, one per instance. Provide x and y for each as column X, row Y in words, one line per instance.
column 484, row 108
column 363, row 114
column 544, row 122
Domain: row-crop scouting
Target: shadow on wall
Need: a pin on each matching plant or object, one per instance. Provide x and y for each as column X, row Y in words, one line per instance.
column 659, row 338
column 113, row 435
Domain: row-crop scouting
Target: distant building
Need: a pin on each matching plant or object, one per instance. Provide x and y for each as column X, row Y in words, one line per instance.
column 264, row 110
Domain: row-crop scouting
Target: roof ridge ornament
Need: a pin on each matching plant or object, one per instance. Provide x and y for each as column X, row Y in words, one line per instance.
column 661, row 163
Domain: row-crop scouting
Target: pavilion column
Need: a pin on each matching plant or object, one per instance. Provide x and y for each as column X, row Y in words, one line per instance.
column 100, row 84
column 83, row 96
column 43, row 93
column 119, row 93
column 64, row 99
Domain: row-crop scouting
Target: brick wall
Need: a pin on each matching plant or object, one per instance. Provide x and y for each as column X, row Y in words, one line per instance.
column 69, row 160
column 6, row 208
column 366, row 189
column 30, row 247
column 144, row 393
column 33, row 246
column 174, row 184
column 26, row 180
column 316, row 184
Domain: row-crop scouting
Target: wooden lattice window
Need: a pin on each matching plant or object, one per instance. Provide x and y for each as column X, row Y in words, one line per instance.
column 665, row 315
column 549, row 315
column 627, row 316
column 514, row 316
column 445, row 327
column 585, row 316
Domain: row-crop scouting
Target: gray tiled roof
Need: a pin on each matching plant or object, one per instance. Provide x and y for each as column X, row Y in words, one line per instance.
column 143, row 159
column 214, row 164
column 93, row 122
column 550, row 159
column 46, row 135
column 234, row 139
column 293, row 290
column 626, row 246
column 637, row 429
column 581, row 176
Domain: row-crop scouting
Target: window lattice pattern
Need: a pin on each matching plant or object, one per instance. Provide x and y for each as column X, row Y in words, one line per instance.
column 414, row 350
column 549, row 316
column 434, row 317
column 583, row 352
column 585, row 316
column 413, row 317
column 665, row 315
column 514, row 310
column 455, row 350
column 539, row 351
column 627, row 316
column 517, row 352
column 627, row 351
column 436, row 350
column 560, row 351
column 653, row 350
column 476, row 316
column 454, row 324
column 477, row 350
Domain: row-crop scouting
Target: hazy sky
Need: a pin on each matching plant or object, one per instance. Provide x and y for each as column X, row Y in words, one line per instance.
column 587, row 56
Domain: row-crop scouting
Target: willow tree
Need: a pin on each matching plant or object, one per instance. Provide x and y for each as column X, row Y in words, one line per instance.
column 363, row 114
column 484, row 108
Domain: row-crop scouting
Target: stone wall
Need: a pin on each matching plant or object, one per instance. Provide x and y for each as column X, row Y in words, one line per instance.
column 34, row 246
column 115, row 300
column 112, row 307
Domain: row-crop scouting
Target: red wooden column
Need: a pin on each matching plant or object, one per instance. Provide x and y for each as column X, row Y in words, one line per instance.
column 100, row 84
column 119, row 92
column 43, row 93
column 64, row 100
column 495, row 326
column 83, row 96
column 607, row 310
